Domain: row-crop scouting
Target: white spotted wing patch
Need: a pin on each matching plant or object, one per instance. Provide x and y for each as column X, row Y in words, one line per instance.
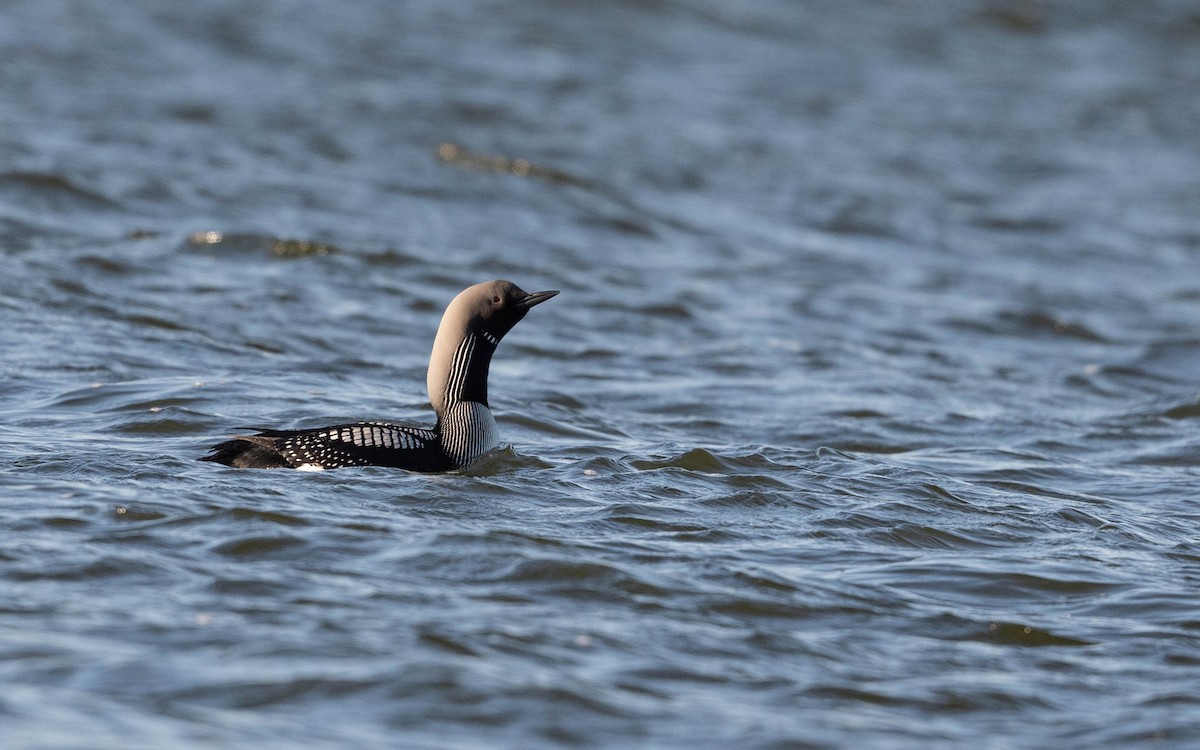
column 360, row 444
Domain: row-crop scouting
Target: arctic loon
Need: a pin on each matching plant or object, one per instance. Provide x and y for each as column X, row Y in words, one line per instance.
column 471, row 328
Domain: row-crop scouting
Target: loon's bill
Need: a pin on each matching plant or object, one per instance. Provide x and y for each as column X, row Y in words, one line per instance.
column 470, row 331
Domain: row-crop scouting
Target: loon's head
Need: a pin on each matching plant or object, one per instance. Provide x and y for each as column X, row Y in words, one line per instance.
column 493, row 307
column 476, row 319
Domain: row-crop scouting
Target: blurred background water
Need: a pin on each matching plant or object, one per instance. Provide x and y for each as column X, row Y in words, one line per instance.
column 867, row 416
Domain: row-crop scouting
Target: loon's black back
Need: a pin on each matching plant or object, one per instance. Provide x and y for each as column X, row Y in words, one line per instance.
column 470, row 331
column 357, row 444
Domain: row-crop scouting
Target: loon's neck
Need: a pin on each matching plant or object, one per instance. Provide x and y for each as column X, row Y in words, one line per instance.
column 457, row 380
column 458, row 368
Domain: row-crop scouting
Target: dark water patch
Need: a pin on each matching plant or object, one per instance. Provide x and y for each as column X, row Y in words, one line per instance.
column 1082, row 517
column 701, row 460
column 61, row 522
column 137, row 512
column 151, row 321
column 450, row 642
column 257, row 546
column 508, row 538
column 1171, row 360
column 248, row 588
column 160, row 425
column 582, row 580
column 269, row 516
column 860, row 414
column 856, row 695
column 243, row 243
column 1038, row 483
column 955, row 628
column 195, row 112
column 50, row 191
column 392, row 258
column 767, row 580
column 565, row 401
column 456, row 155
column 671, row 311
column 651, row 518
column 104, row 264
column 73, row 287
column 866, row 447
column 1031, row 323
column 1021, row 16
column 1113, row 380
column 299, row 248
column 622, row 225
column 926, row 537
column 696, row 459
column 753, row 483
column 82, row 571
column 751, row 607
column 1016, row 634
column 1182, row 453
column 860, row 215
column 1189, row 410
column 1022, row 224
column 258, row 694
column 639, row 522
column 955, row 582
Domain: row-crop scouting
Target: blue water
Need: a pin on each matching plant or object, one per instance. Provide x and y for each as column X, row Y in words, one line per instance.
column 867, row 416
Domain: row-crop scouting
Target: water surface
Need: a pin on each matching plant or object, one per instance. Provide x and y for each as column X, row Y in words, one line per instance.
column 867, row 416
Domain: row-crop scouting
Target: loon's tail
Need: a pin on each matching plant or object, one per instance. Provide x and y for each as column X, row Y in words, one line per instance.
column 248, row 452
